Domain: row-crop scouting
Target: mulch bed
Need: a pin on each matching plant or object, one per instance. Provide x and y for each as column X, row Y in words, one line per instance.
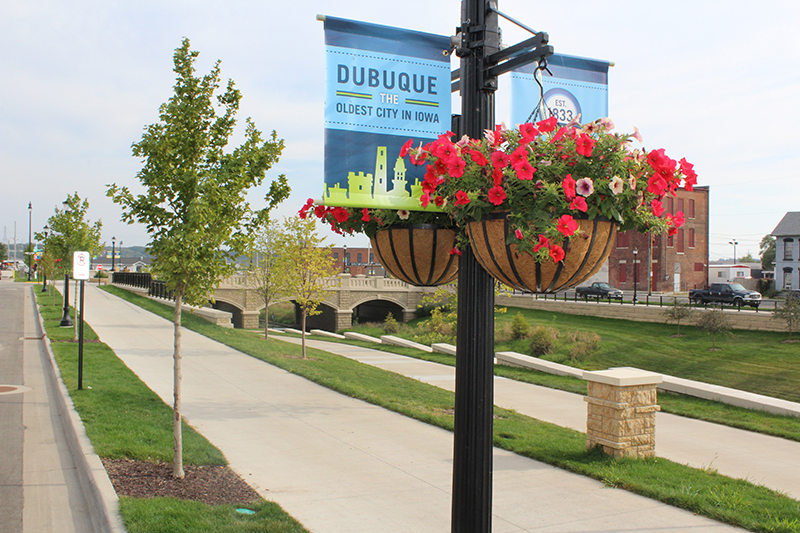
column 213, row 485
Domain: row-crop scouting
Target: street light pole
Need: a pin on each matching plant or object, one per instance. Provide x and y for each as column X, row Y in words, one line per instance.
column 734, row 243
column 113, row 253
column 66, row 320
column 30, row 241
column 44, row 274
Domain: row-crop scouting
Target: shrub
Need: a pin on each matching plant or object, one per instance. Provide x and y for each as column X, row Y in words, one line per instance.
column 789, row 312
column 678, row 312
column 390, row 325
column 543, row 340
column 519, row 327
column 584, row 344
column 714, row 322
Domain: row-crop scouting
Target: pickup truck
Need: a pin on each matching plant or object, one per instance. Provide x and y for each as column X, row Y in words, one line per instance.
column 599, row 290
column 726, row 293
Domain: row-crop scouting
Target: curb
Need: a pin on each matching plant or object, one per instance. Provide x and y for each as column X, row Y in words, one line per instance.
column 101, row 498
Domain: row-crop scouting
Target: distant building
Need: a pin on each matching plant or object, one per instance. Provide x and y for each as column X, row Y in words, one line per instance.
column 728, row 273
column 787, row 252
column 678, row 262
column 357, row 261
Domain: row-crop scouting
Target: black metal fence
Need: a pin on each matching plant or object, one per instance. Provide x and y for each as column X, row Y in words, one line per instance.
column 143, row 280
column 646, row 300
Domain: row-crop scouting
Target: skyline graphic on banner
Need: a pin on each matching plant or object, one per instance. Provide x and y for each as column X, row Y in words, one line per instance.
column 383, row 85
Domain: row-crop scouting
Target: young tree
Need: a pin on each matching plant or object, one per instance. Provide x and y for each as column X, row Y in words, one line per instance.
column 194, row 203
column 267, row 273
column 3, row 252
column 677, row 313
column 307, row 265
column 714, row 322
column 789, row 312
column 767, row 250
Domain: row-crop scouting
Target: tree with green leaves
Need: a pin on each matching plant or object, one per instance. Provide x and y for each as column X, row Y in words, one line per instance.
column 308, row 265
column 194, row 204
column 767, row 249
column 267, row 271
column 3, row 252
column 789, row 312
column 677, row 313
column 714, row 322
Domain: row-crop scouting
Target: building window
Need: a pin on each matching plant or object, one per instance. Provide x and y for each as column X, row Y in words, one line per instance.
column 336, row 255
column 623, row 270
column 698, row 267
column 787, row 279
column 690, row 213
column 670, row 241
column 691, row 237
column 371, row 257
column 680, row 204
column 359, row 258
column 680, row 241
column 622, row 239
column 670, row 206
column 787, row 249
column 720, row 274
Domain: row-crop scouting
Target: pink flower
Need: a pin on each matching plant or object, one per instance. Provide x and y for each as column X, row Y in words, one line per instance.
column 579, row 203
column 585, row 186
column 557, row 253
column 497, row 195
column 518, row 234
column 636, row 135
column 567, row 225
column 616, row 185
column 461, row 198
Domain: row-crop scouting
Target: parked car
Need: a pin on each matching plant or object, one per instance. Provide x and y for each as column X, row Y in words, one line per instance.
column 599, row 290
column 726, row 293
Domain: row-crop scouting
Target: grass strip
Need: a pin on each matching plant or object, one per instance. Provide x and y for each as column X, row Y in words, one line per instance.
column 125, row 419
column 704, row 492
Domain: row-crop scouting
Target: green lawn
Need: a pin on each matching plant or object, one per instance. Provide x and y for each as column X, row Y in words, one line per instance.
column 701, row 491
column 125, row 419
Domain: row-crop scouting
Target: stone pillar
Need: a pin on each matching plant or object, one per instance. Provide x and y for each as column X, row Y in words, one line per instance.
column 250, row 319
column 409, row 314
column 344, row 319
column 621, row 413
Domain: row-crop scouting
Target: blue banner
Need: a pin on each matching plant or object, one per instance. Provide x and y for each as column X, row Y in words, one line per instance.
column 578, row 86
column 383, row 86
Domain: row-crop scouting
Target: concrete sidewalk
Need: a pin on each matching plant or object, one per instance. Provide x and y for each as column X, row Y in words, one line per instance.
column 342, row 465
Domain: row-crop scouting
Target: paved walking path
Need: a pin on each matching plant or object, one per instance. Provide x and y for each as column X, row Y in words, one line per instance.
column 341, row 465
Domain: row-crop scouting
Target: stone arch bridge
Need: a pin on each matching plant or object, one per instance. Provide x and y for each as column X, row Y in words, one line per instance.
column 349, row 297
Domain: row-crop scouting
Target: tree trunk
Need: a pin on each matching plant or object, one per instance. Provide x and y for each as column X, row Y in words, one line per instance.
column 177, row 461
column 266, row 318
column 303, row 329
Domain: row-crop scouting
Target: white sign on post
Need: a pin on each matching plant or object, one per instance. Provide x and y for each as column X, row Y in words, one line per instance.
column 81, row 261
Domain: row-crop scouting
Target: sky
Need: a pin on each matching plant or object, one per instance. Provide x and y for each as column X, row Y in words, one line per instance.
column 717, row 83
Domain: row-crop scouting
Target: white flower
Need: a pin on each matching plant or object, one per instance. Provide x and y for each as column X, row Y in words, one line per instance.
column 616, row 185
column 584, row 187
column 403, row 214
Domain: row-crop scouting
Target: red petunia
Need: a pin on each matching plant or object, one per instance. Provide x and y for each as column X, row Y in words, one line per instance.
column 365, row 215
column 478, row 157
column 557, row 253
column 658, row 207
column 455, row 251
column 544, row 242
column 525, row 171
column 579, row 203
column 497, row 195
column 439, row 201
column 519, row 156
column 424, row 200
column 456, row 166
column 461, row 198
column 303, row 213
column 406, row 147
column 497, row 175
column 569, row 187
column 546, row 126
column 584, row 145
column 499, row 159
column 518, row 234
column 340, row 214
column 567, row 225
column 529, row 132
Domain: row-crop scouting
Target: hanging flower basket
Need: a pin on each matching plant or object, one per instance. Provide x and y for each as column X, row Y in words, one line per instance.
column 418, row 254
column 584, row 255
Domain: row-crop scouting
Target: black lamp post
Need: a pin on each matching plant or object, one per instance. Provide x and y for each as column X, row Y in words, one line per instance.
column 344, row 259
column 113, row 252
column 30, row 241
column 635, row 273
column 44, row 274
column 66, row 320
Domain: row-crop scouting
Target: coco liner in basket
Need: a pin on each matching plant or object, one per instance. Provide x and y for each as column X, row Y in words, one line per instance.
column 418, row 254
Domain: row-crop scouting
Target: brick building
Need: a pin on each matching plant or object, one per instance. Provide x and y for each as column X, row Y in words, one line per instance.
column 677, row 263
column 357, row 261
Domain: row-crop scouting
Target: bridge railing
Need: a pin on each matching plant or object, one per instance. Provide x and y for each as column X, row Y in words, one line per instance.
column 341, row 282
